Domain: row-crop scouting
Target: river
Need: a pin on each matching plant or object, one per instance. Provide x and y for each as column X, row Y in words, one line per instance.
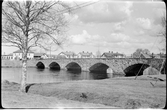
column 35, row 75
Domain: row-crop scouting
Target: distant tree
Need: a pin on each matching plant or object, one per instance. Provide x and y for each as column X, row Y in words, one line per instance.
column 138, row 52
column 146, row 51
column 27, row 24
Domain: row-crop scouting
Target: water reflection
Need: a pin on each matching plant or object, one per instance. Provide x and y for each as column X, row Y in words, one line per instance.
column 98, row 75
column 74, row 74
column 53, row 70
column 48, row 75
column 74, row 71
column 39, row 69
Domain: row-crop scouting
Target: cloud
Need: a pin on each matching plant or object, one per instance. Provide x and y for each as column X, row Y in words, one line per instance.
column 118, row 37
column 144, row 23
column 114, row 40
column 84, row 38
column 126, row 7
column 104, row 12
column 80, row 38
column 119, row 27
column 145, row 27
column 72, row 19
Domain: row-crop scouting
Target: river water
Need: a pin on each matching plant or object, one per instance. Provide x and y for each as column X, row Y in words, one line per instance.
column 35, row 75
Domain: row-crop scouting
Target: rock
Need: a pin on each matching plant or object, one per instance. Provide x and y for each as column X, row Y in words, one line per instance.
column 150, row 71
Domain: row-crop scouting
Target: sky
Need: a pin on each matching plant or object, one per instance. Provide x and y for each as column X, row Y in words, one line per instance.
column 118, row 26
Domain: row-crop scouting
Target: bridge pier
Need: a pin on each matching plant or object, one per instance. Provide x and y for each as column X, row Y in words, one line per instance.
column 109, row 73
column 85, row 69
column 47, row 67
column 64, row 68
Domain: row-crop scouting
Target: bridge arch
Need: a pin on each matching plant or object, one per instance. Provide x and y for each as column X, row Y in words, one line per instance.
column 100, row 70
column 54, row 66
column 73, row 66
column 135, row 69
column 99, row 67
column 40, row 65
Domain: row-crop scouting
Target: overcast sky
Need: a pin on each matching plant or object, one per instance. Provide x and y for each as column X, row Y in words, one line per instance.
column 122, row 27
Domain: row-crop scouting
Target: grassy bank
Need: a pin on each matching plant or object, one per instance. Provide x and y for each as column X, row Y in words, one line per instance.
column 12, row 98
column 117, row 92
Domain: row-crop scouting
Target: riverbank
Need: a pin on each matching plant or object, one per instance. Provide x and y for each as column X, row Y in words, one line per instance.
column 124, row 92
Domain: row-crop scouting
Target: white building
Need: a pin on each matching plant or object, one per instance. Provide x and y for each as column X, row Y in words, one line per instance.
column 7, row 57
column 68, row 54
column 18, row 54
column 86, row 55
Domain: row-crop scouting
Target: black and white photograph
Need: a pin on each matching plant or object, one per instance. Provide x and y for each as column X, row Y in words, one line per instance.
column 83, row 54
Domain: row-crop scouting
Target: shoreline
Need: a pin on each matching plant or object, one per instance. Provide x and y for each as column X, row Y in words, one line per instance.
column 114, row 93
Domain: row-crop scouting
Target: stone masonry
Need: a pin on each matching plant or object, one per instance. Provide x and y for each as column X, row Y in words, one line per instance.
column 118, row 65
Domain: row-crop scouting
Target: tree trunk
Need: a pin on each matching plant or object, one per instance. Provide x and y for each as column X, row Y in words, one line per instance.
column 24, row 73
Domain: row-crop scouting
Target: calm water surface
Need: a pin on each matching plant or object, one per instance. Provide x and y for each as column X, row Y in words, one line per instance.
column 46, row 75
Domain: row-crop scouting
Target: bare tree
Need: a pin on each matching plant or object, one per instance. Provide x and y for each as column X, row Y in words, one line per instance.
column 163, row 35
column 28, row 24
column 163, row 23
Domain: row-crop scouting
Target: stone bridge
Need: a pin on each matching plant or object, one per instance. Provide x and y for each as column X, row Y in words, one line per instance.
column 122, row 66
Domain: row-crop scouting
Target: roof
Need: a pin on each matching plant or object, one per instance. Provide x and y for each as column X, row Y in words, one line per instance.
column 85, row 53
column 68, row 53
column 11, row 54
column 8, row 55
column 108, row 54
column 145, row 55
column 20, row 51
column 118, row 54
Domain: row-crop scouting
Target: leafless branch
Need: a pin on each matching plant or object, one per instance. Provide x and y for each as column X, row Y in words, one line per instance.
column 34, row 21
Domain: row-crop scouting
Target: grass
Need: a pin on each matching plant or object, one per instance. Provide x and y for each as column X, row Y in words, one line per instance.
column 124, row 92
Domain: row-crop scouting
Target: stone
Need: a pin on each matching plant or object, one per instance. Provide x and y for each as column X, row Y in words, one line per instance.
column 116, row 64
column 150, row 71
